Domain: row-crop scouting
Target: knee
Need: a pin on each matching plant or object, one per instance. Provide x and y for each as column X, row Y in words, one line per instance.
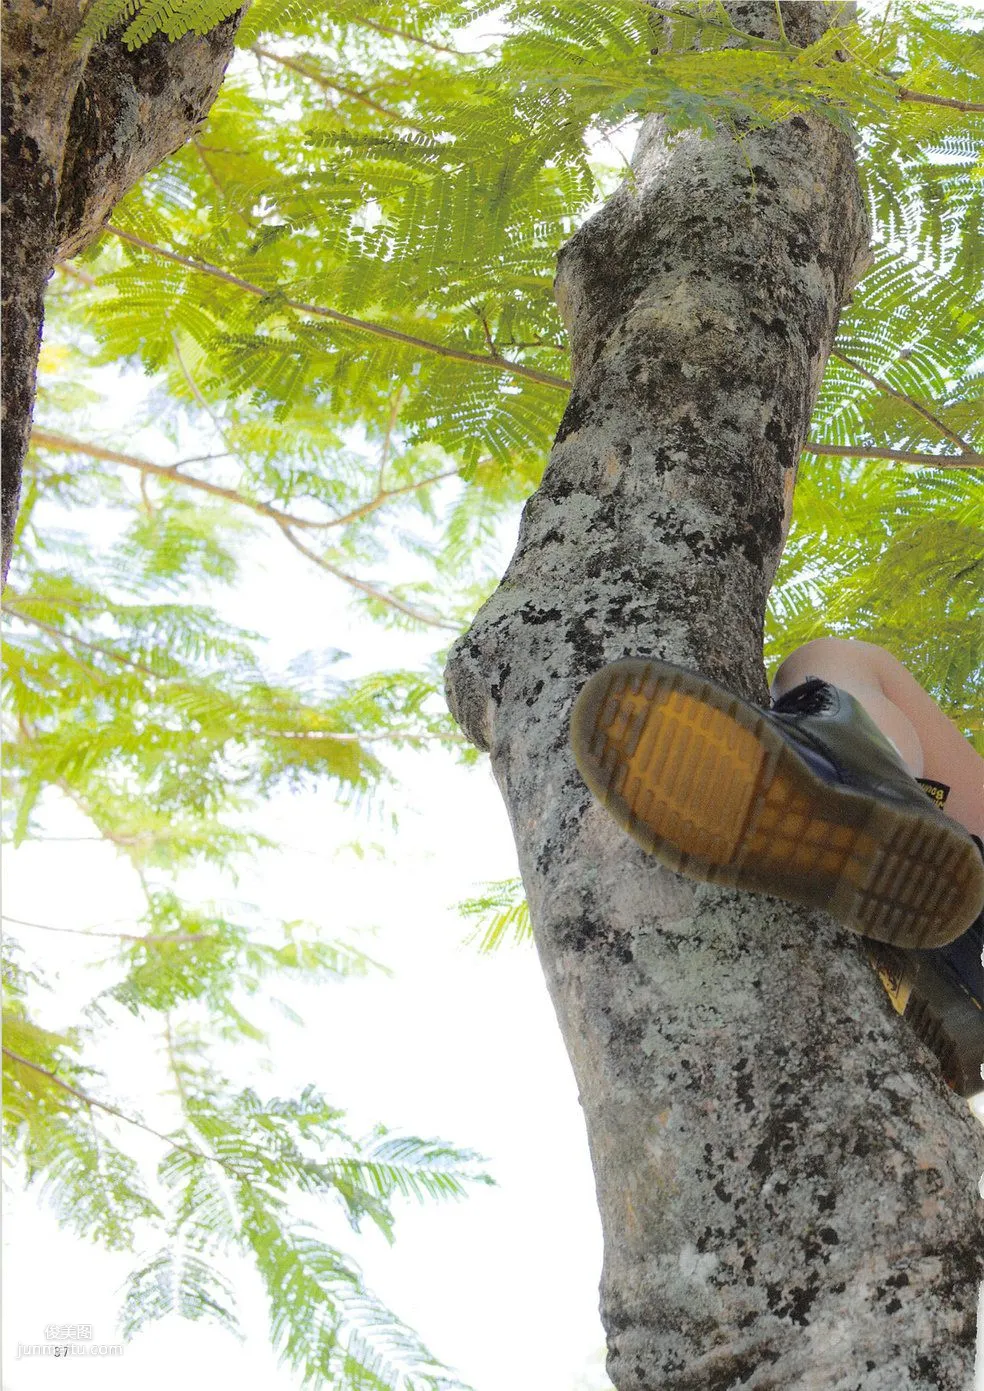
column 828, row 658
column 830, row 649
column 821, row 651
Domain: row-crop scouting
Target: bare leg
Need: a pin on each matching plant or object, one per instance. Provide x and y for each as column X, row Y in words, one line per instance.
column 930, row 744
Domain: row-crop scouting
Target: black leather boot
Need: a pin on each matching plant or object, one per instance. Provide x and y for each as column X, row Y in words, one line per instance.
column 941, row 995
column 807, row 801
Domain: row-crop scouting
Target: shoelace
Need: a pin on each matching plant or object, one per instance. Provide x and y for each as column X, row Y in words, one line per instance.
column 812, row 697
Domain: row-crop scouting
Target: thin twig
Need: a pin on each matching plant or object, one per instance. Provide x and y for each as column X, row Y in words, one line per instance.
column 885, row 17
column 392, row 732
column 179, row 937
column 783, row 37
column 81, row 642
column 407, row 38
column 384, row 452
column 124, row 843
column 705, row 22
column 90, row 670
column 91, row 1101
column 901, row 93
column 941, row 425
column 49, row 440
column 906, row 93
column 200, row 459
column 195, row 390
column 64, row 840
column 864, row 451
column 74, row 273
column 369, row 590
column 533, row 343
column 326, row 84
column 499, row 364
column 384, row 496
column 219, row 188
column 173, row 1061
column 224, row 150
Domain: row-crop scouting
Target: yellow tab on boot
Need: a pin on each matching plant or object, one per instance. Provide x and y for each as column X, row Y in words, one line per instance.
column 897, row 987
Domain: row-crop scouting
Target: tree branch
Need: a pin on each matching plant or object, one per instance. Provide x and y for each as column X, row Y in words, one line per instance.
column 496, row 363
column 49, row 440
column 866, row 451
column 906, row 94
column 941, row 425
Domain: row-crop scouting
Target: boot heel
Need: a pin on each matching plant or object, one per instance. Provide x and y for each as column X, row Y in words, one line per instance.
column 945, row 1016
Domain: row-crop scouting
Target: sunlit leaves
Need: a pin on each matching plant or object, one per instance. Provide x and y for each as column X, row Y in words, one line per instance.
column 231, row 1172
column 144, row 18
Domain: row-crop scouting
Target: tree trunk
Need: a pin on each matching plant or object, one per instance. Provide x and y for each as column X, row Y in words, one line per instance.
column 80, row 126
column 788, row 1192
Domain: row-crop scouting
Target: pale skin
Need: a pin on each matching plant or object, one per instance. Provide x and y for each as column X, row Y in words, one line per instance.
column 929, row 743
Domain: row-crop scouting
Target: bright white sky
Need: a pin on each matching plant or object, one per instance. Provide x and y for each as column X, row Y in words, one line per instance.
column 503, row 1286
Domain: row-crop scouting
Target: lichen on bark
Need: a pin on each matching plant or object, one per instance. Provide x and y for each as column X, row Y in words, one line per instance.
column 788, row 1193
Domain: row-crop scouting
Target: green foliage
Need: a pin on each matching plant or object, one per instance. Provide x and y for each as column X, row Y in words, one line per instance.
column 142, row 19
column 231, row 1168
column 500, row 910
column 430, row 188
column 340, row 290
column 231, row 1172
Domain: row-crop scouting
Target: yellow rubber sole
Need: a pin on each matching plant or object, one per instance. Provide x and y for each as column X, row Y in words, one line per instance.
column 713, row 790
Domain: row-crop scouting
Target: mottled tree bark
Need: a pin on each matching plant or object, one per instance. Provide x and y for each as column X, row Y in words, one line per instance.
column 80, row 126
column 788, row 1192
